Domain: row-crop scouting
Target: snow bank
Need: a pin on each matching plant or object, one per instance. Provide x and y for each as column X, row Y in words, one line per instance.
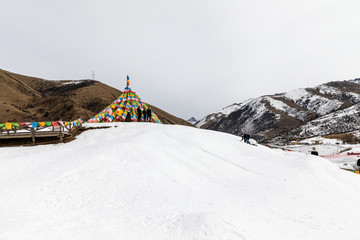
column 322, row 140
column 73, row 82
column 148, row 181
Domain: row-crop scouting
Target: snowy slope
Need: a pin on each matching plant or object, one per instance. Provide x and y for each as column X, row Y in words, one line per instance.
column 147, row 181
column 312, row 102
column 337, row 93
column 283, row 107
column 342, row 121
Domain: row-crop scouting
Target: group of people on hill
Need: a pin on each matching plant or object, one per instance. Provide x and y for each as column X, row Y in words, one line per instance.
column 146, row 113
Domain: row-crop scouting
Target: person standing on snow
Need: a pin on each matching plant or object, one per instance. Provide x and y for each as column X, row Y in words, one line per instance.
column 144, row 114
column 314, row 152
column 139, row 112
column 247, row 138
column 148, row 111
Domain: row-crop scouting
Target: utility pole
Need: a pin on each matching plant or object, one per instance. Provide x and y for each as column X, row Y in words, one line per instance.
column 93, row 75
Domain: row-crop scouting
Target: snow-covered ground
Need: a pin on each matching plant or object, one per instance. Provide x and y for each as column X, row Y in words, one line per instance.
column 322, row 149
column 326, row 141
column 345, row 156
column 149, row 181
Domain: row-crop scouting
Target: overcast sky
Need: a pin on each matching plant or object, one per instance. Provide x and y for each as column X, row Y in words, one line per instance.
column 188, row 57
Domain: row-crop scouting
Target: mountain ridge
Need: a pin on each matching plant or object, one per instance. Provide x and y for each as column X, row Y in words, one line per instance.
column 275, row 116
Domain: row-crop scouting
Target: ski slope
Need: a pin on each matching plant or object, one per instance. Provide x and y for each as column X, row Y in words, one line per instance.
column 154, row 182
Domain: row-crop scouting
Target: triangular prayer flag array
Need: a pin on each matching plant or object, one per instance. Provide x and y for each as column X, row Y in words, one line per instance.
column 124, row 108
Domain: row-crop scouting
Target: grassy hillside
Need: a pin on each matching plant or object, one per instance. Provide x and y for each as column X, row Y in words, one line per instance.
column 24, row 98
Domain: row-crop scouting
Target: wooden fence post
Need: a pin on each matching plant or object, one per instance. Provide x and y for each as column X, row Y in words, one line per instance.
column 33, row 135
column 61, row 136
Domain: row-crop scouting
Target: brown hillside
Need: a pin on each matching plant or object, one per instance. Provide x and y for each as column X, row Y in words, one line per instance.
column 24, row 98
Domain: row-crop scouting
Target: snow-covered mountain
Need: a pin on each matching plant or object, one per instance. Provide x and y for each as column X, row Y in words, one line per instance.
column 148, row 181
column 341, row 121
column 272, row 116
column 192, row 120
column 213, row 117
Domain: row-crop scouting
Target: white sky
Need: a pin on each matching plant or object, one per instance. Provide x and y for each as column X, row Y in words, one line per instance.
column 188, row 57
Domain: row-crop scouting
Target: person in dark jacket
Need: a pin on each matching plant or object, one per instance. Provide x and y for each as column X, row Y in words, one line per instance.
column 314, row 152
column 139, row 113
column 357, row 167
column 245, row 137
column 128, row 117
column 144, row 114
column 148, row 111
